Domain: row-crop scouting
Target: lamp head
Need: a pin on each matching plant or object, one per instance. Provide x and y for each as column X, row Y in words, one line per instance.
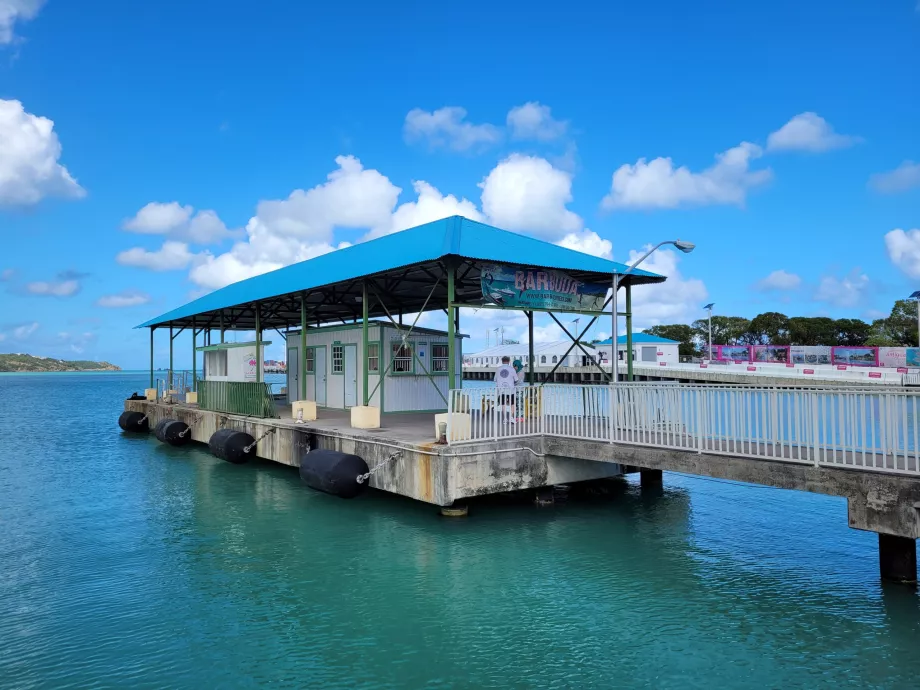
column 709, row 306
column 685, row 247
column 914, row 295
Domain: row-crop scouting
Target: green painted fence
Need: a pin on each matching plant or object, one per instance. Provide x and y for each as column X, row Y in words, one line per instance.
column 250, row 398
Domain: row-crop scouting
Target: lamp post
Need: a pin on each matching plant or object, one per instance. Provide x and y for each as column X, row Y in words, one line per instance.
column 708, row 308
column 915, row 295
column 686, row 248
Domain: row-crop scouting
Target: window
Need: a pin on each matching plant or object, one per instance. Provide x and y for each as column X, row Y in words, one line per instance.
column 311, row 366
column 439, row 358
column 338, row 359
column 543, row 359
column 555, row 359
column 373, row 357
column 402, row 358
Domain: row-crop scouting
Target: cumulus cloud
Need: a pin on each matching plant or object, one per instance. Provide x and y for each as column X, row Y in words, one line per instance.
column 588, row 242
column 905, row 176
column 77, row 342
column 448, row 128
column 904, row 250
column 808, row 132
column 181, row 222
column 779, row 280
column 429, row 206
column 12, row 11
column 848, row 291
column 29, row 153
column 66, row 284
column 534, row 121
column 658, row 184
column 527, row 194
column 677, row 300
column 172, row 256
column 125, row 298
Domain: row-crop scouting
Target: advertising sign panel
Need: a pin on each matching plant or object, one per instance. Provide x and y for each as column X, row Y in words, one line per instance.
column 771, row 353
column 855, row 356
column 520, row 287
column 737, row 353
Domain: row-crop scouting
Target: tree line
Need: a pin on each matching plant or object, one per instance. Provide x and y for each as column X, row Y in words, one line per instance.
column 899, row 328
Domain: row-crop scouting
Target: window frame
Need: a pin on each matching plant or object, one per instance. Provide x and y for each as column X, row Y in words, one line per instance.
column 375, row 356
column 396, row 346
column 446, row 358
column 341, row 349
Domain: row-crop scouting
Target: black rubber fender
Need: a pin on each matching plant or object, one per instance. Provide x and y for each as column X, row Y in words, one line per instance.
column 134, row 422
column 173, row 432
column 333, row 472
column 230, row 445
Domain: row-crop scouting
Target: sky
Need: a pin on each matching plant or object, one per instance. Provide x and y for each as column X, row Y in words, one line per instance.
column 152, row 152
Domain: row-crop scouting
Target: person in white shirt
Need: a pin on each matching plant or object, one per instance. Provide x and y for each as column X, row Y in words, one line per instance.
column 506, row 379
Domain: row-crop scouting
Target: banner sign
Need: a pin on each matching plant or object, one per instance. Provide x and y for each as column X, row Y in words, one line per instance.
column 519, row 287
column 875, row 374
column 855, row 356
column 738, row 353
column 913, row 356
column 797, row 354
column 771, row 353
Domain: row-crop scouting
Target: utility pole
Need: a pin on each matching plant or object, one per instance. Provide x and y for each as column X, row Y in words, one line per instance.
column 708, row 307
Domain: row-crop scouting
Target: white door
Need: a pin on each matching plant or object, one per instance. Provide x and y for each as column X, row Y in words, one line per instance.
column 320, row 368
column 351, row 375
column 293, row 374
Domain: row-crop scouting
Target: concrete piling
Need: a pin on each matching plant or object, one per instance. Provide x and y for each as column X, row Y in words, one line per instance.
column 897, row 558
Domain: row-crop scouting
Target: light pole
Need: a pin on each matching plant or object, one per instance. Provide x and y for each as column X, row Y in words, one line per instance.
column 708, row 308
column 686, row 248
column 915, row 295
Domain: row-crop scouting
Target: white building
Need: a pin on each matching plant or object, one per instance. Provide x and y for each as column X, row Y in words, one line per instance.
column 646, row 349
column 545, row 354
column 233, row 361
column 415, row 376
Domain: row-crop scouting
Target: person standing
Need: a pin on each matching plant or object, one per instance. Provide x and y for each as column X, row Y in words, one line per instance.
column 506, row 378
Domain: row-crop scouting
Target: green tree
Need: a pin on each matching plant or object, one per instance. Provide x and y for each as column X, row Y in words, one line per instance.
column 879, row 336
column 726, row 330
column 901, row 324
column 852, row 331
column 680, row 332
column 769, row 328
column 812, row 330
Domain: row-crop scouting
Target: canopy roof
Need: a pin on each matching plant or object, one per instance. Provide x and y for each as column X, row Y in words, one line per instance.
column 642, row 338
column 401, row 270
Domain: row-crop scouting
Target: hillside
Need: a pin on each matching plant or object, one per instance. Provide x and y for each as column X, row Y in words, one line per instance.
column 19, row 362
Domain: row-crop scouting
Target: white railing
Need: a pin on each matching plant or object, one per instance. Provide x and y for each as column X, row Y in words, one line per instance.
column 855, row 427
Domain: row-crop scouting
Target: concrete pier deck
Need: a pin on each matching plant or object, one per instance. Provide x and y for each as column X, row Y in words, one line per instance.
column 423, row 470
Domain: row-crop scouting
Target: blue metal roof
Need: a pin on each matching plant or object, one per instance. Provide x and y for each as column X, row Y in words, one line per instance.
column 641, row 338
column 430, row 242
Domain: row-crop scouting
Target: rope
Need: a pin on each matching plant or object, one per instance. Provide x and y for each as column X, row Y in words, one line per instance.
column 194, row 422
column 367, row 475
column 142, row 420
column 252, row 445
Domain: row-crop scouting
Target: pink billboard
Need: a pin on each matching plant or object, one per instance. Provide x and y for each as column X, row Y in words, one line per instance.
column 772, row 354
column 855, row 356
column 736, row 353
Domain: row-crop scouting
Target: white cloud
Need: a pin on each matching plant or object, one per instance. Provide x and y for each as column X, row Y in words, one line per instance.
column 447, row 128
column 175, row 220
column 126, row 298
column 677, row 300
column 588, row 242
column 12, row 11
column 808, row 132
column 430, row 206
column 67, row 284
column 848, row 291
column 904, row 250
column 905, row 176
column 24, row 331
column 527, row 194
column 658, row 184
column 29, row 153
column 534, row 121
column 77, row 342
column 780, row 280
column 172, row 256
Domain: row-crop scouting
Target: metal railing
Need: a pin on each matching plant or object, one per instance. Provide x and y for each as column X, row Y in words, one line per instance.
column 237, row 397
column 855, row 427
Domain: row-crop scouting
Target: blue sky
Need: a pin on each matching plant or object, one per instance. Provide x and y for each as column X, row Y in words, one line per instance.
column 782, row 138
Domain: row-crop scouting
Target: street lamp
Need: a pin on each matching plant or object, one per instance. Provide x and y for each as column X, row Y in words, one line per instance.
column 686, row 248
column 708, row 307
column 915, row 295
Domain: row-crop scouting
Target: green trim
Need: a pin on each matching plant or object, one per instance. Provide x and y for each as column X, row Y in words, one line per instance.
column 364, row 360
column 227, row 346
column 303, row 349
column 451, row 327
column 380, row 374
column 151, row 355
column 259, row 356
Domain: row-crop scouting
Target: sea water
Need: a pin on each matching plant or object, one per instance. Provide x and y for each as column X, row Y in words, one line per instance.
column 128, row 563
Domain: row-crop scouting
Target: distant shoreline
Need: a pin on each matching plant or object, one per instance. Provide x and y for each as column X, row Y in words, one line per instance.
column 30, row 364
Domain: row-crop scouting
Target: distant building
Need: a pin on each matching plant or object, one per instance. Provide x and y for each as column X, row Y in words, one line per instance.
column 646, row 349
column 545, row 354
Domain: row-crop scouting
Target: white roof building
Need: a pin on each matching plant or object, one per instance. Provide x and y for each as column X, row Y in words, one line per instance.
column 545, row 354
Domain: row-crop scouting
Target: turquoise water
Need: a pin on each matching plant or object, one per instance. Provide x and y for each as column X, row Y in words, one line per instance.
column 129, row 563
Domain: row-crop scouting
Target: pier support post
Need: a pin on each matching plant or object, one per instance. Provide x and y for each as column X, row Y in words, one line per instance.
column 171, row 336
column 303, row 349
column 650, row 478
column 451, row 326
column 530, row 365
column 258, row 345
column 151, row 355
column 897, row 558
column 629, row 333
column 364, row 372
column 194, row 354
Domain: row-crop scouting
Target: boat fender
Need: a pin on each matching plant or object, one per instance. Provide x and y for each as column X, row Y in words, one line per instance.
column 135, row 396
column 333, row 472
column 135, row 422
column 232, row 445
column 173, row 432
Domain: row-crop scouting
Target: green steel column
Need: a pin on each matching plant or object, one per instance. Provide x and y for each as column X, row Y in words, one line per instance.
column 258, row 345
column 194, row 354
column 170, row 350
column 629, row 342
column 221, row 325
column 530, row 346
column 451, row 328
column 151, row 357
column 303, row 348
column 364, row 340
